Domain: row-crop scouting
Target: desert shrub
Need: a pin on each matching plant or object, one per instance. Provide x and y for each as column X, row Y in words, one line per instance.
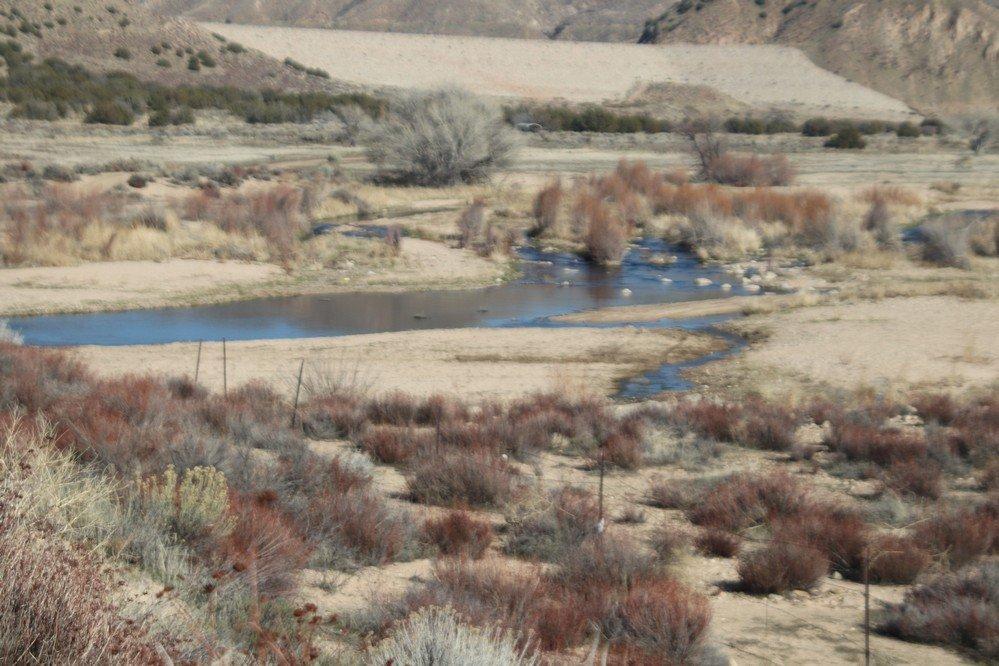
column 333, row 416
column 669, row 542
column 921, row 478
column 56, row 603
column 882, row 446
column 590, row 118
column 946, row 242
column 435, row 636
column 263, row 548
column 707, row 418
column 137, row 181
column 781, row 567
column 393, row 445
column 907, row 130
column 838, row 533
column 717, row 543
column 352, row 526
column 897, row 560
column 122, row 53
column 743, row 500
column 194, row 506
column 959, row 609
column 671, row 493
column 459, row 478
column 817, row 127
column 109, row 113
column 750, row 171
column 547, row 527
column 960, row 535
column 606, row 235
column 661, row 621
column 847, row 138
column 440, row 138
column 472, row 224
column 458, row 534
column 768, row 426
column 546, row 207
column 607, row 560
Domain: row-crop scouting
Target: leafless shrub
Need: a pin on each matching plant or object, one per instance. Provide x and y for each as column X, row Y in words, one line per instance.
column 440, row 138
column 546, row 207
column 472, row 224
column 960, row 609
column 946, row 242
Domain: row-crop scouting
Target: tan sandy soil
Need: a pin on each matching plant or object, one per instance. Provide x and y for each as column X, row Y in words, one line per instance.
column 686, row 310
column 761, row 76
column 145, row 284
column 474, row 363
column 895, row 343
column 125, row 284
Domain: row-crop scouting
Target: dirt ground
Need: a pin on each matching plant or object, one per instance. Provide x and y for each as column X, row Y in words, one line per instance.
column 761, row 76
column 472, row 363
column 145, row 284
column 899, row 343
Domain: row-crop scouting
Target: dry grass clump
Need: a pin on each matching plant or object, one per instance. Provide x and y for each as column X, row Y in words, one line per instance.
column 459, row 535
column 896, row 560
column 547, row 527
column 707, row 418
column 717, row 543
column 960, row 535
column 960, row 609
column 768, row 426
column 435, row 636
column 394, row 445
column 946, row 242
column 743, row 500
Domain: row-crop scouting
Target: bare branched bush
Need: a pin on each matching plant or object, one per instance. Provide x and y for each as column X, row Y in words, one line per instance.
column 946, row 242
column 546, row 207
column 472, row 224
column 750, row 170
column 606, row 236
column 440, row 138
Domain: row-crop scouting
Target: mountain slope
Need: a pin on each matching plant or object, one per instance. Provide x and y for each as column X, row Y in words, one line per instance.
column 937, row 55
column 118, row 35
column 596, row 20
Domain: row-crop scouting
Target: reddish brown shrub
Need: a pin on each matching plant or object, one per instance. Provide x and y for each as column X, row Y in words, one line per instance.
column 459, row 478
column 263, row 548
column 393, row 445
column 619, row 449
column 707, row 418
column 458, row 534
column 769, row 427
column 606, row 236
column 961, row 535
column 717, row 543
column 896, row 559
column 357, row 526
column 939, row 407
column 780, row 567
column 662, row 620
column 437, row 410
column 608, row 560
column 840, row 534
column 872, row 444
column 922, row 478
column 396, row 408
column 546, row 207
column 671, row 493
column 750, row 171
column 332, row 417
column 743, row 500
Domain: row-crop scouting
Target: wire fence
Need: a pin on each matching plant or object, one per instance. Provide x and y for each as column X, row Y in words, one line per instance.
column 639, row 496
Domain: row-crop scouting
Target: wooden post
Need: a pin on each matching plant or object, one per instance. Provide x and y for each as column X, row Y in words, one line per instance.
column 601, row 523
column 225, row 372
column 298, row 390
column 867, row 608
column 197, row 363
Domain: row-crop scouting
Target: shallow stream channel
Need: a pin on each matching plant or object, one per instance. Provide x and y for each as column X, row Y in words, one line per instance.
column 550, row 284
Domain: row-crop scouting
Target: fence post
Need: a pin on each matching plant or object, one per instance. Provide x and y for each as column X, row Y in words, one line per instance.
column 600, row 523
column 225, row 372
column 298, row 390
column 197, row 363
column 867, row 607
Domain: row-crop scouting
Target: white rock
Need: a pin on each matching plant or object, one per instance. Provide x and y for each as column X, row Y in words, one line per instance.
column 769, row 275
column 665, row 280
column 756, row 279
column 752, row 288
column 702, row 282
column 726, row 287
column 626, row 292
